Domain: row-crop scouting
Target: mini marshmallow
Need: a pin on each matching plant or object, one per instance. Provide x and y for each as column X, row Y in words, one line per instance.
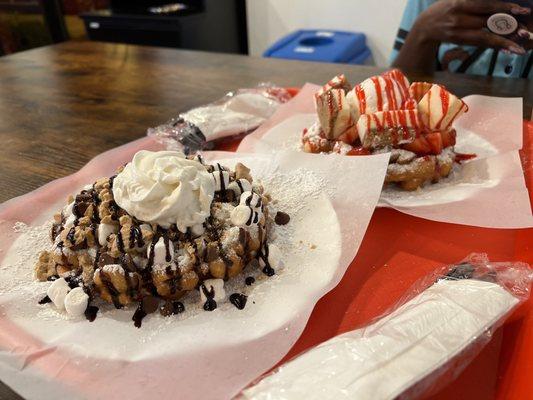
column 217, row 176
column 140, row 262
column 76, row 302
column 250, row 199
column 104, row 230
column 57, row 292
column 218, row 287
column 240, row 186
column 198, row 230
column 240, row 215
column 160, row 252
column 146, row 227
column 274, row 257
column 69, row 222
column 68, row 209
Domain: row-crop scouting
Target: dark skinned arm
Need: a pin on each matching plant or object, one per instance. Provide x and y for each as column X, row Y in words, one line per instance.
column 454, row 21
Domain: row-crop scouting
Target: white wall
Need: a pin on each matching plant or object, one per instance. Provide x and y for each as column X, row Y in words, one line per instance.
column 269, row 20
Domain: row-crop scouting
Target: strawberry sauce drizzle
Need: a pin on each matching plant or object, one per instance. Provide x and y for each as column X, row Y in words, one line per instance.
column 445, row 102
column 377, row 87
column 379, row 124
column 463, row 105
column 389, row 90
column 461, row 157
column 361, row 96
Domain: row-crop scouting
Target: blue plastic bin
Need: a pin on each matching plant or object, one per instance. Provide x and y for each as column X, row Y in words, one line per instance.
column 322, row 46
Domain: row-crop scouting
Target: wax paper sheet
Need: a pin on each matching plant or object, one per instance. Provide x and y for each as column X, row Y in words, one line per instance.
column 488, row 191
column 45, row 355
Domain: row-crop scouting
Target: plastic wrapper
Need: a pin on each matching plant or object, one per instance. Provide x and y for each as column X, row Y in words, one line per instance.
column 235, row 114
column 417, row 347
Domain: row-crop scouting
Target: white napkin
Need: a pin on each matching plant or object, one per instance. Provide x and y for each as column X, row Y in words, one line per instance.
column 384, row 359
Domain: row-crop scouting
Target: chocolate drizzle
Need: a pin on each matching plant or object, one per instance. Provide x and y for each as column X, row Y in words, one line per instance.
column 147, row 305
column 136, row 236
column 151, row 251
column 254, row 215
column 172, row 281
column 166, row 241
column 222, row 183
column 45, row 300
column 138, row 316
column 210, row 304
column 113, row 292
column 239, row 184
column 238, row 300
column 71, row 236
column 90, row 313
column 120, row 241
column 263, row 254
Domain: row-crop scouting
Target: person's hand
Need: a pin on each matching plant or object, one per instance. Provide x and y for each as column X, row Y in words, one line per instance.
column 463, row 22
column 526, row 33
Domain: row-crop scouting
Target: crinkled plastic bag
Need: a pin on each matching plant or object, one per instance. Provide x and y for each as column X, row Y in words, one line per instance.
column 423, row 343
column 236, row 114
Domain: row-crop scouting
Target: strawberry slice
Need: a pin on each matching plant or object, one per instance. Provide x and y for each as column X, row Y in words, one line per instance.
column 358, row 151
column 350, row 135
column 420, row 146
column 435, row 142
column 448, row 138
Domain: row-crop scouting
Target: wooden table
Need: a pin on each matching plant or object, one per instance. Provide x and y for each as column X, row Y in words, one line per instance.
column 62, row 105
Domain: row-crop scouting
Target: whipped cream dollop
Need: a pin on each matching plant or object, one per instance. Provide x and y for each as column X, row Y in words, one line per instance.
column 165, row 188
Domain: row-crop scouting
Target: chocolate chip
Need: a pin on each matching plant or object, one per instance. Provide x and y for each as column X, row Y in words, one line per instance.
column 150, row 304
column 178, row 307
column 249, row 280
column 282, row 218
column 167, row 310
column 82, row 202
column 106, row 259
column 171, row 308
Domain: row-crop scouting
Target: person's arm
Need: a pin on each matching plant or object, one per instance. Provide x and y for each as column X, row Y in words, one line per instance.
column 454, row 21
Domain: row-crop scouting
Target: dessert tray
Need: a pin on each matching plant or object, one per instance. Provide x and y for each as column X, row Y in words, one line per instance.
column 229, row 323
column 487, row 190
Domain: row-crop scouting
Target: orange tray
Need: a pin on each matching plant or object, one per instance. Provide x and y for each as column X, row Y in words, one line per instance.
column 397, row 250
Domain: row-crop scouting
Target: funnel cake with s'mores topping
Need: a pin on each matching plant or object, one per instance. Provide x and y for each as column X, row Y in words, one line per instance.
column 388, row 114
column 164, row 226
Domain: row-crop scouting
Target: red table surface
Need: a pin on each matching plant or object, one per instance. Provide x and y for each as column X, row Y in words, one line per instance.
column 399, row 249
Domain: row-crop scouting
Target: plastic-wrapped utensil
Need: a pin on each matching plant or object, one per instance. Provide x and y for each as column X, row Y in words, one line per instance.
column 235, row 114
column 421, row 344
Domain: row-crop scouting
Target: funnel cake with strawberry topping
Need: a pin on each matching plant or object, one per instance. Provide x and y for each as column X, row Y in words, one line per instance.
column 388, row 114
column 163, row 227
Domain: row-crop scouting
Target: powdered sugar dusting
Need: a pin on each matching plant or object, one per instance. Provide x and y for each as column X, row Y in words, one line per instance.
column 294, row 192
